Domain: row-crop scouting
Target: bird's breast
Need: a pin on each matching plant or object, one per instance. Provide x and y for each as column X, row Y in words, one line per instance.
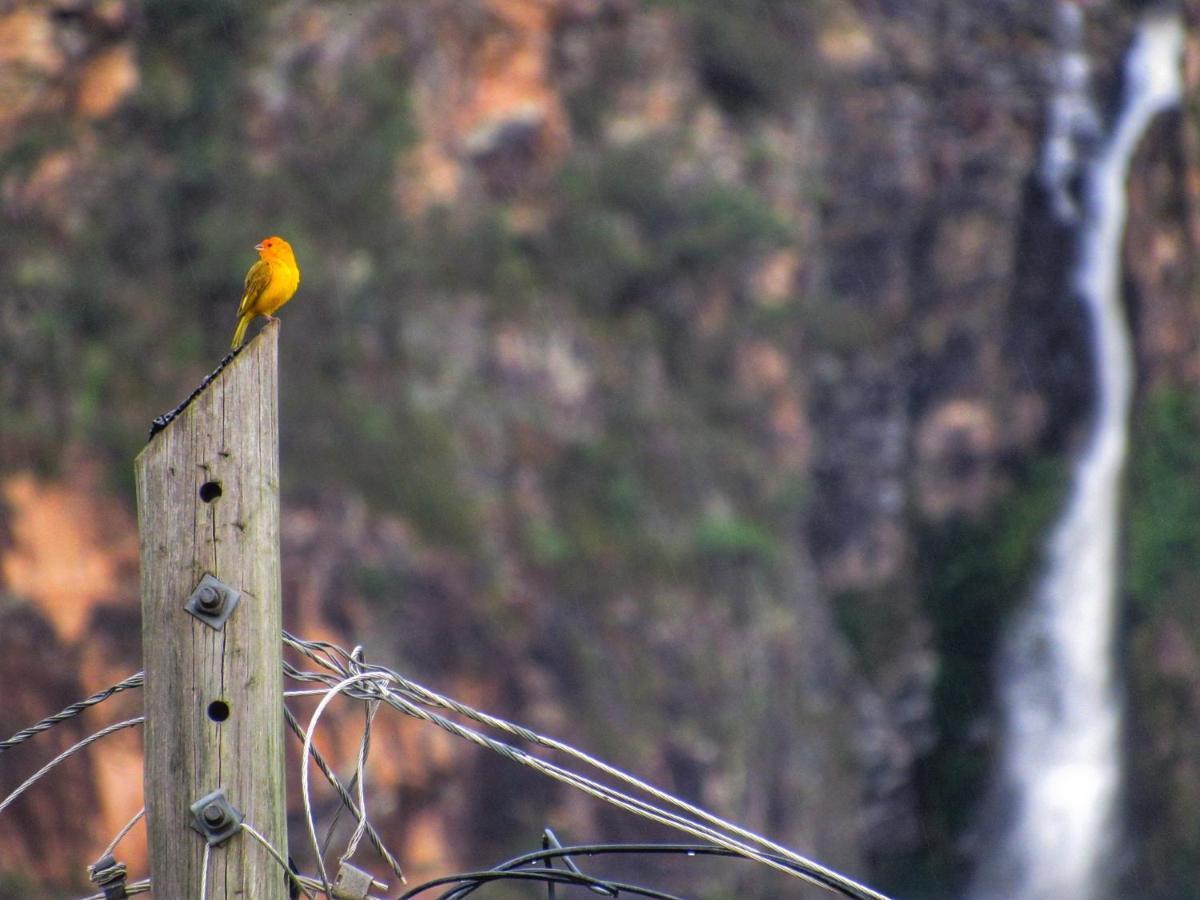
column 284, row 281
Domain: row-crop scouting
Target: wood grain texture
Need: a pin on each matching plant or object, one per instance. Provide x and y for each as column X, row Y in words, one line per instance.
column 228, row 435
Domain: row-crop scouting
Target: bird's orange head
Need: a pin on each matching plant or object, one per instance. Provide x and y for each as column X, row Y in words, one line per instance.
column 275, row 247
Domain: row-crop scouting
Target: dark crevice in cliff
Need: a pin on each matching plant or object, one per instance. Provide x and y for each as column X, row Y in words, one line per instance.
column 1047, row 334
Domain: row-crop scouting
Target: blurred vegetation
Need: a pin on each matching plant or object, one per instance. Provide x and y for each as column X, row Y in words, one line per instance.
column 1163, row 643
column 602, row 515
column 751, row 54
column 974, row 575
column 1164, row 502
column 19, row 884
column 729, row 539
column 676, row 227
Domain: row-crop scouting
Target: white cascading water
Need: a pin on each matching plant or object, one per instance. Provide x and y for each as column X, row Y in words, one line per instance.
column 1060, row 769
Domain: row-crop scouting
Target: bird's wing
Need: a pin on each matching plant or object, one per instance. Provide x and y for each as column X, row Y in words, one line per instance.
column 257, row 280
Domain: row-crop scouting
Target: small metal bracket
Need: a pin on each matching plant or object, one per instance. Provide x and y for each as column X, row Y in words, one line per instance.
column 215, row 818
column 353, row 883
column 109, row 875
column 213, row 601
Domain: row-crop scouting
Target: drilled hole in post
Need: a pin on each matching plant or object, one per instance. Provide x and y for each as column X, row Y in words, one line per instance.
column 210, row 491
column 218, row 710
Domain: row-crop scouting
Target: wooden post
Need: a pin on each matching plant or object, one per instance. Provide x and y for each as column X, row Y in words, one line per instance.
column 208, row 503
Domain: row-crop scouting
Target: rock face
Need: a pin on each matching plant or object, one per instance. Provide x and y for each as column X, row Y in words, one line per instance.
column 691, row 380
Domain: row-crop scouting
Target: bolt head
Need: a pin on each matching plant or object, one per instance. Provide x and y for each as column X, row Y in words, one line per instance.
column 213, row 815
column 210, row 599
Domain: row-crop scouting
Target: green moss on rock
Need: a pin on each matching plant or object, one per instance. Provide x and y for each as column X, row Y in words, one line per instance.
column 975, row 573
column 1163, row 645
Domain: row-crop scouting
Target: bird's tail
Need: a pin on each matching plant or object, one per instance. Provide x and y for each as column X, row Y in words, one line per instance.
column 240, row 332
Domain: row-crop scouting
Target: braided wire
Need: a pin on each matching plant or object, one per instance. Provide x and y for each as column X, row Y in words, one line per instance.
column 336, row 783
column 75, row 748
column 135, row 680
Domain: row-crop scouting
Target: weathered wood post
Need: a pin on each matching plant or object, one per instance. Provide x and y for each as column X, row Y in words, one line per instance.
column 208, row 505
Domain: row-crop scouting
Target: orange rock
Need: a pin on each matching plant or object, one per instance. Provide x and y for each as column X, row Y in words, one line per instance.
column 45, row 187
column 762, row 367
column 72, row 547
column 956, row 448
column 848, row 45
column 502, row 86
column 106, row 80
column 792, row 433
column 775, row 278
column 27, row 44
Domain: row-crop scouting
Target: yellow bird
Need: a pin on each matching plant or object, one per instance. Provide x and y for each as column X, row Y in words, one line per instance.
column 270, row 283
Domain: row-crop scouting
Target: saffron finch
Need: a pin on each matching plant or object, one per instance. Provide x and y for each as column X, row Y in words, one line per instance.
column 270, row 283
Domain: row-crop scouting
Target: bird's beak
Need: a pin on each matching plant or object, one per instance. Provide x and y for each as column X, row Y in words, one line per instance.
column 258, row 247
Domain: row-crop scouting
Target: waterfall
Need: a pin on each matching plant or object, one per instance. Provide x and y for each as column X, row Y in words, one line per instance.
column 1060, row 766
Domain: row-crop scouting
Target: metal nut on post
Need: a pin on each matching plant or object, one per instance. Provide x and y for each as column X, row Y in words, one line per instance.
column 352, row 883
column 215, row 818
column 209, row 600
column 213, row 601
